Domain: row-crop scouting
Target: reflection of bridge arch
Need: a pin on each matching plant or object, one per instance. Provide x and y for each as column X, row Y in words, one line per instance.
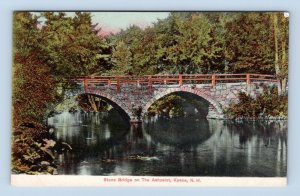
column 184, row 133
column 215, row 106
column 115, row 103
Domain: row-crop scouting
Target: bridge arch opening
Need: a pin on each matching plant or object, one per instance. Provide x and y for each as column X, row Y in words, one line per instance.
column 179, row 104
column 204, row 106
column 119, row 107
column 69, row 105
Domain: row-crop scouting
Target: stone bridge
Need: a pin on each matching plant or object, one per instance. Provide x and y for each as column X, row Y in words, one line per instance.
column 132, row 96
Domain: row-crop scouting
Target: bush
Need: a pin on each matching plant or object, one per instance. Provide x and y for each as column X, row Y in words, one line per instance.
column 269, row 103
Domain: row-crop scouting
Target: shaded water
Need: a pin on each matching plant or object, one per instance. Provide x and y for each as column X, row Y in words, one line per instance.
column 103, row 144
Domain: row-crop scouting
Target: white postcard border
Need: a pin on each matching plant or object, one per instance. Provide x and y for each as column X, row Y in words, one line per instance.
column 143, row 181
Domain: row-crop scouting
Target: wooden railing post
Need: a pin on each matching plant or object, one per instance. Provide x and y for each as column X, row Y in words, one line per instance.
column 85, row 84
column 248, row 81
column 150, row 83
column 213, row 80
column 89, row 83
column 118, row 84
column 180, row 80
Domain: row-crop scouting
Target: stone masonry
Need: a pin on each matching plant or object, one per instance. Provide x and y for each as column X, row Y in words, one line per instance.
column 134, row 97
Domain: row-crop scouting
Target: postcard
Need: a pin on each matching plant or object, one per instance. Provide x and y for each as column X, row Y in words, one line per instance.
column 149, row 98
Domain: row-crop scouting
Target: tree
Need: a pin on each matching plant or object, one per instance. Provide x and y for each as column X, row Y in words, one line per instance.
column 33, row 85
column 129, row 43
column 188, row 44
column 249, row 43
column 45, row 58
column 122, row 59
column 200, row 47
column 257, row 43
column 71, row 46
column 280, row 26
column 166, row 31
column 33, row 90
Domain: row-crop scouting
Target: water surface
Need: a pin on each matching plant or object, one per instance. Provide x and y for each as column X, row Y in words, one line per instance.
column 104, row 144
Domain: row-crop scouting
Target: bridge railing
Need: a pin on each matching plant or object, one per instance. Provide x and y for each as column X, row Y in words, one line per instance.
column 116, row 82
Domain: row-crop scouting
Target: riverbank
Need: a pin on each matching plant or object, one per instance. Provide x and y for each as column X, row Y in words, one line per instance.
column 32, row 150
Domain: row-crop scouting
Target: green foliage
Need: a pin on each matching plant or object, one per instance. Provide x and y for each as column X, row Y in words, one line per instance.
column 170, row 105
column 204, row 43
column 33, row 90
column 33, row 86
column 193, row 49
column 31, row 153
column 250, row 43
column 134, row 51
column 268, row 104
column 45, row 57
column 122, row 59
column 71, row 46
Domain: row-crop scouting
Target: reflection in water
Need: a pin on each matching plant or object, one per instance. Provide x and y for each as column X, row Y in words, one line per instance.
column 103, row 144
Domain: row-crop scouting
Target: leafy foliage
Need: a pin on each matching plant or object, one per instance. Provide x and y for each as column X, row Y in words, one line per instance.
column 204, row 43
column 268, row 104
column 170, row 104
column 84, row 52
column 249, row 43
column 45, row 57
column 122, row 57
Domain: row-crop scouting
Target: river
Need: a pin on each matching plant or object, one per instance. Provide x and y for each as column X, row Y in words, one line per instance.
column 104, row 144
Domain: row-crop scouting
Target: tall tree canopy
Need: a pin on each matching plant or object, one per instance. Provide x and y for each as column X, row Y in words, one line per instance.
column 215, row 42
column 45, row 57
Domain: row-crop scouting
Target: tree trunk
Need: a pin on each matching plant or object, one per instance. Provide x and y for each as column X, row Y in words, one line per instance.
column 283, row 64
column 284, row 85
column 277, row 68
column 99, row 105
column 92, row 103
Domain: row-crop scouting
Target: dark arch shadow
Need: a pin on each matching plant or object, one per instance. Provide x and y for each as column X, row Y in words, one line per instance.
column 183, row 133
column 125, row 116
column 200, row 103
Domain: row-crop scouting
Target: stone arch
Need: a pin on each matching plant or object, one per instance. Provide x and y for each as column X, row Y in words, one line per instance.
column 114, row 102
column 215, row 107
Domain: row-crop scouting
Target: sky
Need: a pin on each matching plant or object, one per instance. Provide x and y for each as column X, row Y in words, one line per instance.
column 113, row 22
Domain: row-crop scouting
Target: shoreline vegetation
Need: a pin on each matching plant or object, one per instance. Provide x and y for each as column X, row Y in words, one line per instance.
column 266, row 106
column 47, row 54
